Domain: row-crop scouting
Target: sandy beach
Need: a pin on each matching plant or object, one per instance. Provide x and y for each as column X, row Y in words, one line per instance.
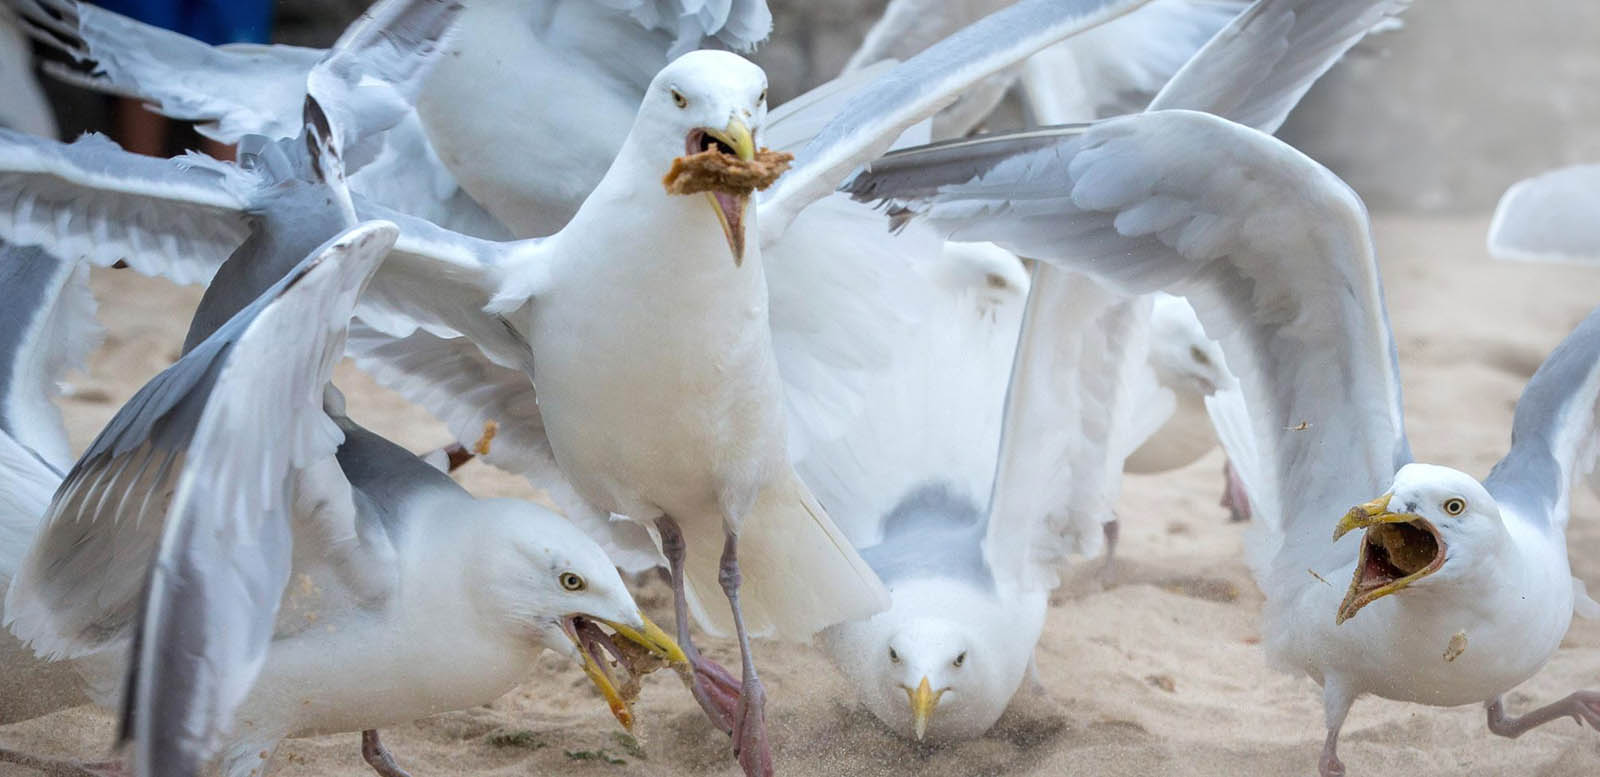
column 1158, row 674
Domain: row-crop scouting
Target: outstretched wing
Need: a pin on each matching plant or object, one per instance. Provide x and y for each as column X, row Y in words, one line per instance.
column 231, row 90
column 176, row 218
column 917, row 88
column 1555, row 435
column 1271, row 249
column 174, row 528
column 79, row 586
column 1552, row 217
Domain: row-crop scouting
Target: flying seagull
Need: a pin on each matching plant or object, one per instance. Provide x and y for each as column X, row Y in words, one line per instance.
column 1459, row 589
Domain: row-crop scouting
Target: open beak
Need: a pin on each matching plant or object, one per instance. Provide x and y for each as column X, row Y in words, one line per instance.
column 923, row 700
column 730, row 208
column 1397, row 550
column 636, row 652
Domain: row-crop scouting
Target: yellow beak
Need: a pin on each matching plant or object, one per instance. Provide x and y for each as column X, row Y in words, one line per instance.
column 737, row 136
column 730, row 208
column 1404, row 554
column 923, row 700
column 1362, row 516
column 654, row 641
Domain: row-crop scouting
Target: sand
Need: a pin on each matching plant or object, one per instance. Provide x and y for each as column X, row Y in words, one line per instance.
column 1159, row 674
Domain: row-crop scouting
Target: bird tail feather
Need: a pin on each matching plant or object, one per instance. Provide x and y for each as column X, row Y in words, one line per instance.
column 800, row 573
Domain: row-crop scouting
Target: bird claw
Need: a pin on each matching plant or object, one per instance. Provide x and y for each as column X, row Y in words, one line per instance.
column 750, row 743
column 715, row 689
column 1586, row 708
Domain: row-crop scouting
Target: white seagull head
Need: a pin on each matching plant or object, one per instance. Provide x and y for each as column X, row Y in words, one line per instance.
column 549, row 582
column 1435, row 524
column 1184, row 359
column 938, row 664
column 704, row 101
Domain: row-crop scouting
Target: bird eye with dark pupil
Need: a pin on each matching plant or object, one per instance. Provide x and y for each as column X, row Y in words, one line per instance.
column 893, row 656
column 1455, row 506
column 572, row 581
column 961, row 659
column 1198, row 355
column 679, row 99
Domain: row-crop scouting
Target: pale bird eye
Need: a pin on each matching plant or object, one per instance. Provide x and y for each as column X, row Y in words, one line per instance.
column 572, row 581
column 679, row 100
column 1455, row 506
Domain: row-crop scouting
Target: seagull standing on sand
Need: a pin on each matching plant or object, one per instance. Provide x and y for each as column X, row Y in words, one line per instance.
column 1459, row 589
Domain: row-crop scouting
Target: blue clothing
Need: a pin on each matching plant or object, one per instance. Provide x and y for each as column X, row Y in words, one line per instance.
column 209, row 21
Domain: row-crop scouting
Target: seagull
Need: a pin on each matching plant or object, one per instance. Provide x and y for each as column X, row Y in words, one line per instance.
column 1549, row 217
column 701, row 458
column 1459, row 589
column 299, row 587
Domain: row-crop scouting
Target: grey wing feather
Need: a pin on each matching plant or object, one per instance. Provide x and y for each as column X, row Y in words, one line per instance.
column 47, row 326
column 1555, row 437
column 175, row 218
column 224, row 557
column 78, row 588
column 1258, row 67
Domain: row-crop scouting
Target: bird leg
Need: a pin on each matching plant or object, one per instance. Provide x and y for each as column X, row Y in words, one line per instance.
column 750, row 721
column 1582, row 706
column 712, row 686
column 1336, row 700
column 1108, row 570
column 1233, row 494
column 378, row 757
column 63, row 768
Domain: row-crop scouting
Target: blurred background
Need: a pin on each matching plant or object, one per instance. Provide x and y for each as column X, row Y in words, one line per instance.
column 1439, row 116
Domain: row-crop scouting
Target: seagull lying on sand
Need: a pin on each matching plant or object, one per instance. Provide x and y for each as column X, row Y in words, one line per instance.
column 305, row 576
column 1554, row 216
column 1459, row 589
